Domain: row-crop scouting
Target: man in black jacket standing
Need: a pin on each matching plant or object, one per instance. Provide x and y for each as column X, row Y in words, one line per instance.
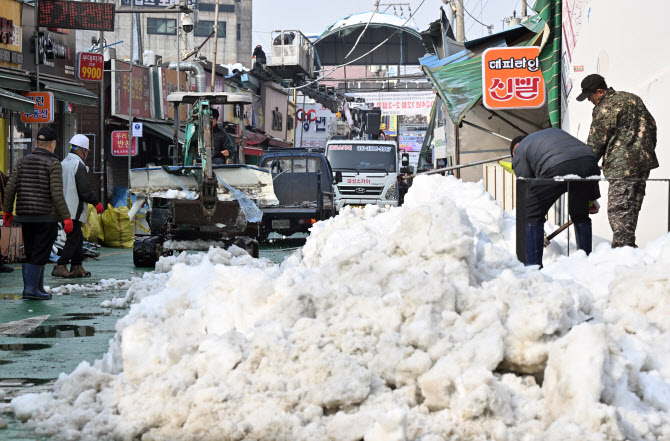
column 548, row 154
column 222, row 146
column 37, row 185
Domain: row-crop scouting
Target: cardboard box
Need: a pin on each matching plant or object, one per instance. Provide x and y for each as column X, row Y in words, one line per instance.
column 11, row 244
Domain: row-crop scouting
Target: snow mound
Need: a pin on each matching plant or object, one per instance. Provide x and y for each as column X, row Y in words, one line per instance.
column 414, row 323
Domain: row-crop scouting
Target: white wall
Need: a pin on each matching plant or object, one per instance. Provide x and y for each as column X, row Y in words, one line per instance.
column 628, row 44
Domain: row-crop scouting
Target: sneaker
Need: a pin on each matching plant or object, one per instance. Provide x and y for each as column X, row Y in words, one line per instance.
column 61, row 271
column 6, row 269
column 78, row 271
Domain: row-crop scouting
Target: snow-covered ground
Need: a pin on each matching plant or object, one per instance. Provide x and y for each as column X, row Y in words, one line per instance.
column 416, row 323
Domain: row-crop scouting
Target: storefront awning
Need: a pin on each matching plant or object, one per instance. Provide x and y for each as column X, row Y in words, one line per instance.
column 72, row 93
column 162, row 128
column 166, row 130
column 14, row 80
column 12, row 101
column 458, row 78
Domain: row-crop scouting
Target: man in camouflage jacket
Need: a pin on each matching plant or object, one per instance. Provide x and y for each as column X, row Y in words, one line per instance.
column 623, row 134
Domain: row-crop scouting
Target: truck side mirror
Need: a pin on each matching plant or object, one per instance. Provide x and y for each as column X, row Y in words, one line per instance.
column 337, row 177
column 405, row 159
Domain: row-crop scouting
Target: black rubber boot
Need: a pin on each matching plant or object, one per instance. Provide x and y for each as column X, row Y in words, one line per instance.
column 534, row 244
column 31, row 278
column 584, row 236
column 40, row 282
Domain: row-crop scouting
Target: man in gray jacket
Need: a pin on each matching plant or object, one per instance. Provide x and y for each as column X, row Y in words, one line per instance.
column 547, row 154
column 78, row 195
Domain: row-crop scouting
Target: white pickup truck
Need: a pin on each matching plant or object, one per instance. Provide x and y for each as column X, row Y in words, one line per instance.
column 366, row 172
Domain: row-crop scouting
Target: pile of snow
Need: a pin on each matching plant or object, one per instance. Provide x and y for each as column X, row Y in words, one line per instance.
column 102, row 285
column 415, row 323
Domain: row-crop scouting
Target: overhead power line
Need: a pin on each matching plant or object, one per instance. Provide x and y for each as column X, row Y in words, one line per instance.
column 472, row 16
column 362, row 56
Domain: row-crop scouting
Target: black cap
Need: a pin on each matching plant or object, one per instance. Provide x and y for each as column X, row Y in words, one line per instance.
column 47, row 134
column 591, row 84
column 515, row 141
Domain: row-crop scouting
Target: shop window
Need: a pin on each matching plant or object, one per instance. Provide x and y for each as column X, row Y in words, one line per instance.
column 161, row 26
column 204, row 27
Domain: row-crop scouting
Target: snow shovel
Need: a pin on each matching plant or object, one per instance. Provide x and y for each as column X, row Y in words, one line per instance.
column 547, row 239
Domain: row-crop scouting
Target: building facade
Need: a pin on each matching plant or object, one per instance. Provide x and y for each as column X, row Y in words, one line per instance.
column 159, row 32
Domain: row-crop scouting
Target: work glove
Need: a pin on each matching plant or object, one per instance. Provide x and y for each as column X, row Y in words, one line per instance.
column 99, row 208
column 594, row 207
column 7, row 218
column 67, row 226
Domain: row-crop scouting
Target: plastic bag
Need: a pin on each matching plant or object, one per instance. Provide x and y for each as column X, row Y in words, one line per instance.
column 117, row 228
column 92, row 229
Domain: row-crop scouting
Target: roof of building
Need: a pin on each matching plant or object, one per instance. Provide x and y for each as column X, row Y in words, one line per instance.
column 379, row 19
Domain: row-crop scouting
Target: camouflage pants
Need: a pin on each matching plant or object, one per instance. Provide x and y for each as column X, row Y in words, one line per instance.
column 623, row 207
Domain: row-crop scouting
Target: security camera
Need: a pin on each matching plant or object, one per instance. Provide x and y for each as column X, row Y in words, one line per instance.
column 187, row 23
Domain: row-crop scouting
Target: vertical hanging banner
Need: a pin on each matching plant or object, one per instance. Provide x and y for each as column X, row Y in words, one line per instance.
column 512, row 79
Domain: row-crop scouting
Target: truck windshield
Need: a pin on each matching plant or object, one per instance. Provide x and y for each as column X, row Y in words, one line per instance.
column 362, row 157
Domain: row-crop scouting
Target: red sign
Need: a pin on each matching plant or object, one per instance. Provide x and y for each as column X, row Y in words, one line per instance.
column 89, row 66
column 120, row 144
column 44, row 108
column 512, row 78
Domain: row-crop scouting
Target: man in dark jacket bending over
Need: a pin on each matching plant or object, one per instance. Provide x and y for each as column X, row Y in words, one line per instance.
column 547, row 154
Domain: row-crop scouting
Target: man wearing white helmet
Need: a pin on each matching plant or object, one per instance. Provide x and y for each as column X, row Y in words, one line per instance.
column 78, row 195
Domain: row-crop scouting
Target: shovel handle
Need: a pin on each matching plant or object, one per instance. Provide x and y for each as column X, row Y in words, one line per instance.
column 560, row 229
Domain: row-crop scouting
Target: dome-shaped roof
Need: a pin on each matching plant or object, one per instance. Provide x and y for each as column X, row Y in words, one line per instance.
column 351, row 22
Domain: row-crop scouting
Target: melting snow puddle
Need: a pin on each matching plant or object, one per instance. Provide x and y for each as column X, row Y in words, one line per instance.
column 24, row 347
column 61, row 331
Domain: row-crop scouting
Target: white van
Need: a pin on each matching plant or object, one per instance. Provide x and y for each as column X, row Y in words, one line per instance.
column 366, row 172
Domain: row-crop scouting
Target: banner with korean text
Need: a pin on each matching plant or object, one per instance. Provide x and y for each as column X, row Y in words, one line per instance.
column 512, row 79
column 399, row 103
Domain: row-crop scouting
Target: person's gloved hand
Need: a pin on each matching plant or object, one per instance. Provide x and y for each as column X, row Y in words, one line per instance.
column 67, row 226
column 99, row 208
column 7, row 218
column 594, row 207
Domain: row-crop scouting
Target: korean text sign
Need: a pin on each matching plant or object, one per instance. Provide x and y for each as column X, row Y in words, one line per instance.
column 512, row 78
column 44, row 108
column 89, row 66
column 120, row 144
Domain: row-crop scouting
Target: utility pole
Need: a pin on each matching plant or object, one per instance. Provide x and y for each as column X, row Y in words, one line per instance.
column 460, row 21
column 214, row 46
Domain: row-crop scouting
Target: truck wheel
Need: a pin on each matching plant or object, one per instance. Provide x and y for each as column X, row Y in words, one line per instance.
column 146, row 251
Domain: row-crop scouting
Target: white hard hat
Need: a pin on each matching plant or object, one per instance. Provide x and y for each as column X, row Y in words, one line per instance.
column 80, row 141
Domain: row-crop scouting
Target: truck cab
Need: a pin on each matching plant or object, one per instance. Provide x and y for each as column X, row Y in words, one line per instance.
column 366, row 172
column 302, row 181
